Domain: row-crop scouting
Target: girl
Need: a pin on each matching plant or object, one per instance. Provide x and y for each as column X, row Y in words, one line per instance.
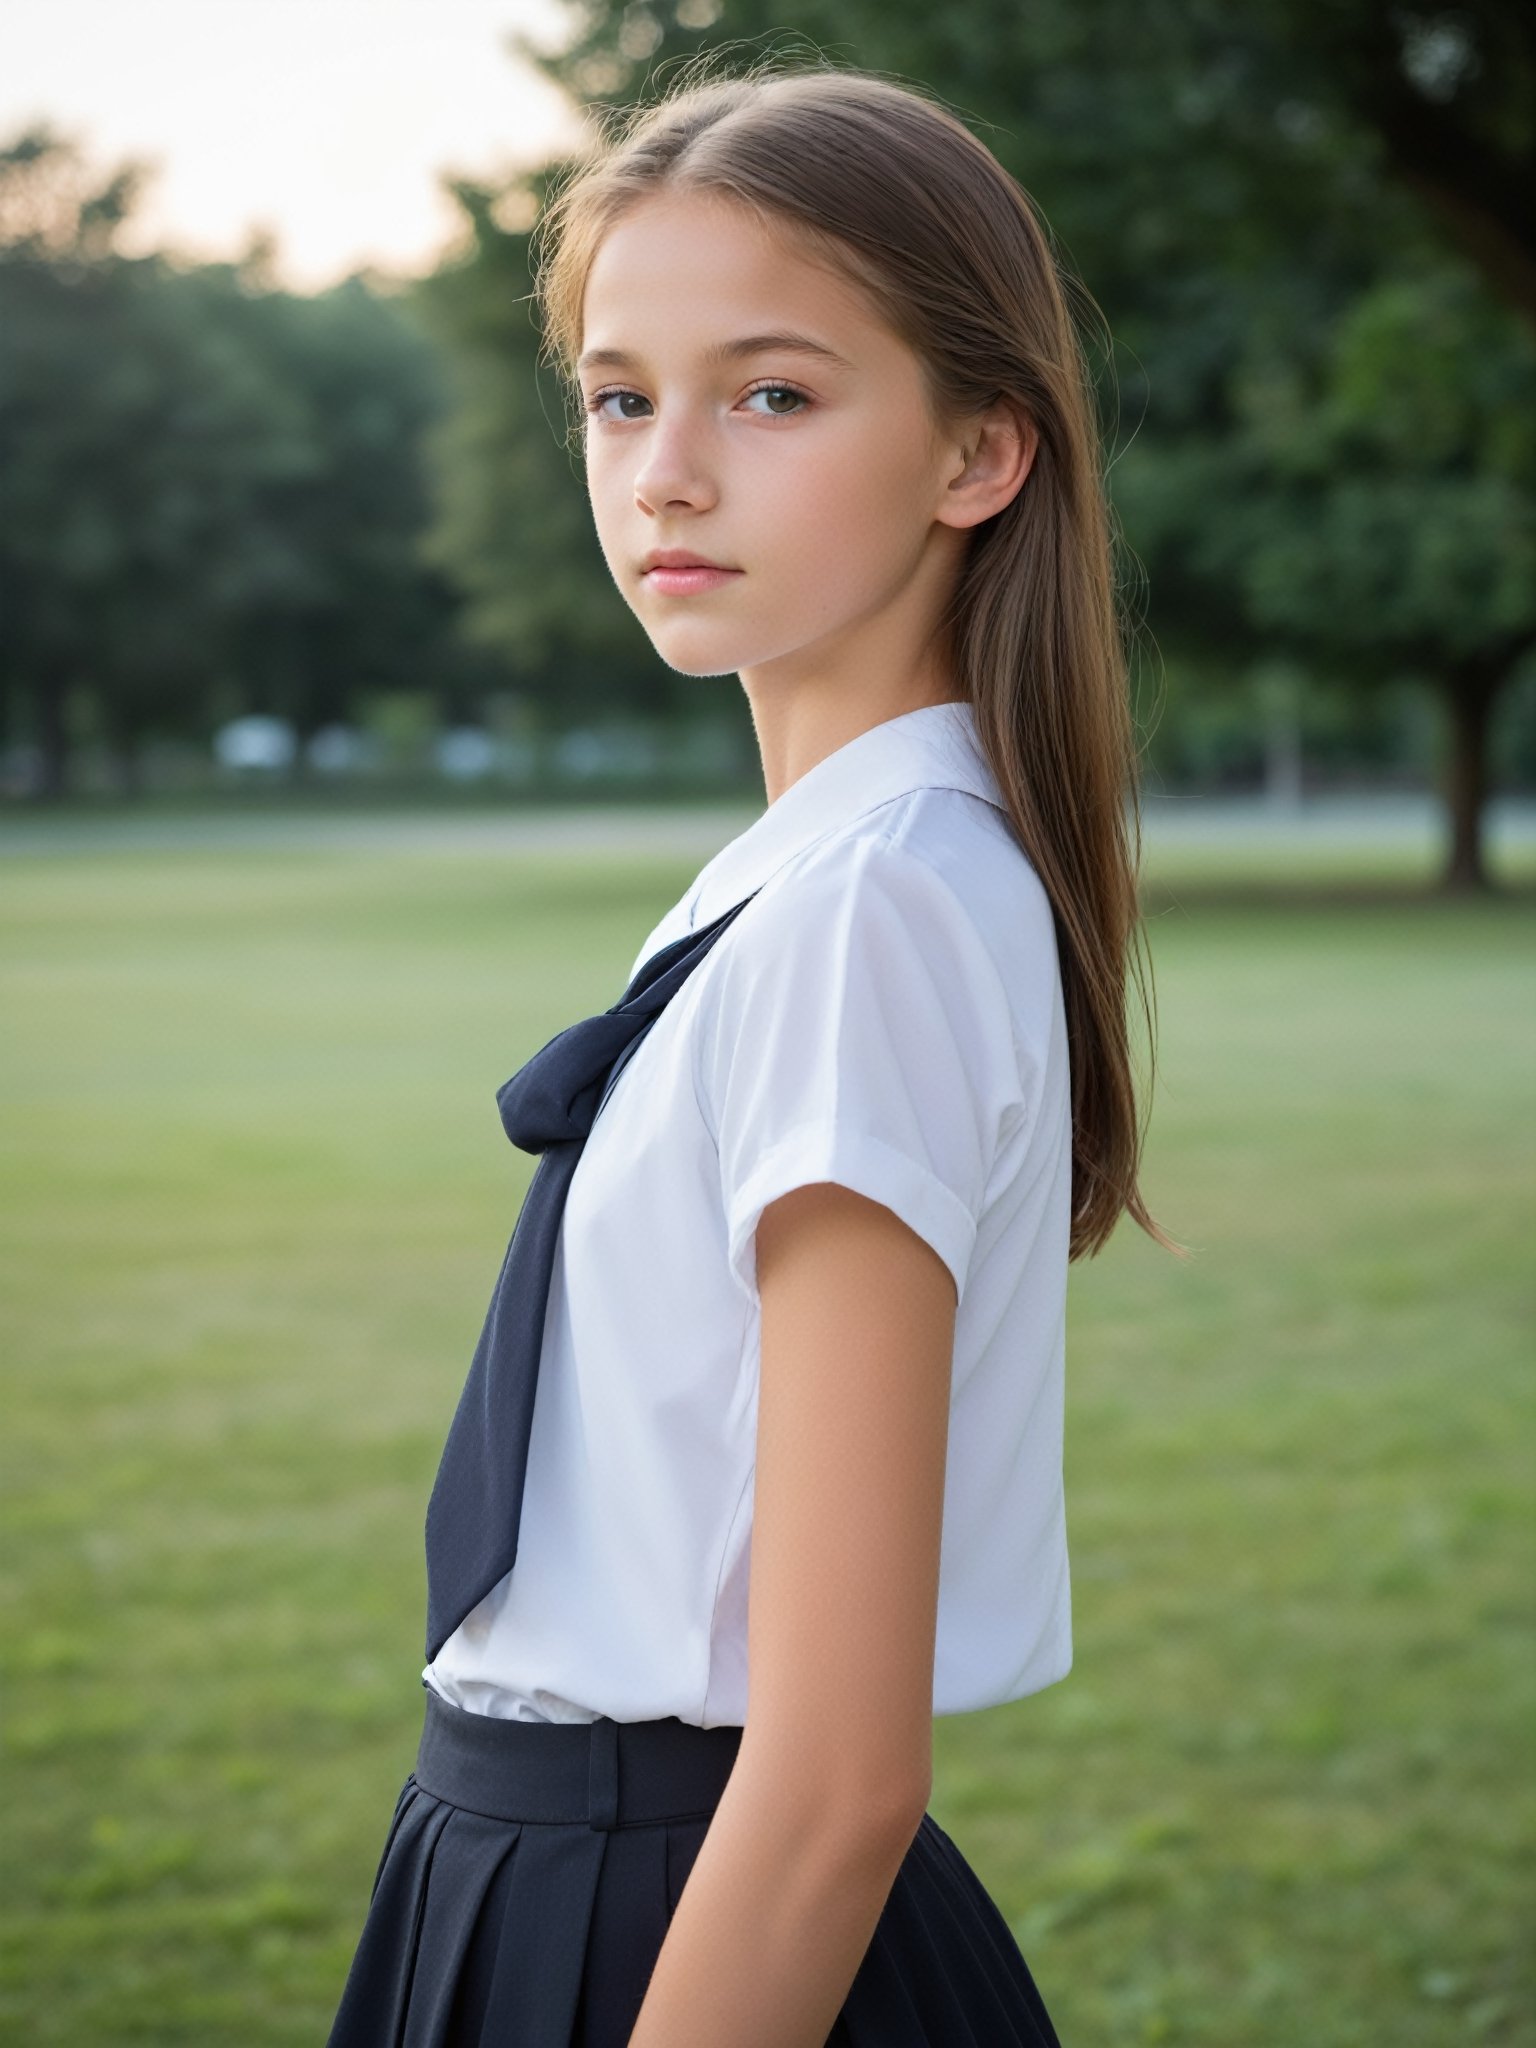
column 796, row 1323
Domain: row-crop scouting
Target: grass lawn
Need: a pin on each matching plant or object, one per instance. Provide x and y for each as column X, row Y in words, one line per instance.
column 255, row 1195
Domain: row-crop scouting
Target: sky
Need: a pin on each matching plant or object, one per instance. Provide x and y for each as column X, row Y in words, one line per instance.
column 326, row 121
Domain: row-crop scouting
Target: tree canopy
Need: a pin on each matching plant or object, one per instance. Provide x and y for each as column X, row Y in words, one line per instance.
column 1295, row 233
column 1299, row 223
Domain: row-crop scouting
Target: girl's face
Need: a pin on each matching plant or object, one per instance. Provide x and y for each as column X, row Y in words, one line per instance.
column 810, row 469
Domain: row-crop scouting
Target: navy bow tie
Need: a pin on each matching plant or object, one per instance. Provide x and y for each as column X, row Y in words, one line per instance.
column 548, row 1106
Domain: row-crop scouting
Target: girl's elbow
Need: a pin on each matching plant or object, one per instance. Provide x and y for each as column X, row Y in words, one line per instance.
column 842, row 1786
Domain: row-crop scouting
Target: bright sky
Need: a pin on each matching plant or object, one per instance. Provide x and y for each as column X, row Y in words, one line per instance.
column 324, row 120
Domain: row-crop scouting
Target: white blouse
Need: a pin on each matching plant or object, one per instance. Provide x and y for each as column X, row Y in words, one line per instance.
column 887, row 1014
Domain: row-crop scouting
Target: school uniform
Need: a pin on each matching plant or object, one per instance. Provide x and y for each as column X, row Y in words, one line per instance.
column 862, row 987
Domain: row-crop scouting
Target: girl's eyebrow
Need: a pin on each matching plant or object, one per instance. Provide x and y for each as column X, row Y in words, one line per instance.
column 781, row 343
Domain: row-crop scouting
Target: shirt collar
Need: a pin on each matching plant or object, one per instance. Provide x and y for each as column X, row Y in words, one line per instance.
column 933, row 747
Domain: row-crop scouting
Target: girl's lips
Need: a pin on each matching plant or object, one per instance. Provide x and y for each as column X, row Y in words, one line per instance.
column 685, row 582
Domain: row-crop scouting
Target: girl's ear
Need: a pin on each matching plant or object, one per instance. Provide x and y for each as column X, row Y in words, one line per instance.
column 994, row 451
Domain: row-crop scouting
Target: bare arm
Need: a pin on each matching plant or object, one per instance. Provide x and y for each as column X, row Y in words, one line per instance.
column 835, row 1765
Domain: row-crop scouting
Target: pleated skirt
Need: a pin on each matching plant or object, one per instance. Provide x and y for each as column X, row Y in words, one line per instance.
column 531, row 1870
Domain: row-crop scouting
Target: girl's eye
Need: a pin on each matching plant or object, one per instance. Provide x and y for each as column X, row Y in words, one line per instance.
column 599, row 399
column 780, row 391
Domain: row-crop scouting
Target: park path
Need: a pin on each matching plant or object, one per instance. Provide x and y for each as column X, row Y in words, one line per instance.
column 1403, row 823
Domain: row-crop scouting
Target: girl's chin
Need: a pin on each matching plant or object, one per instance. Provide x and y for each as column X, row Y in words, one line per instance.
column 701, row 653
column 699, row 668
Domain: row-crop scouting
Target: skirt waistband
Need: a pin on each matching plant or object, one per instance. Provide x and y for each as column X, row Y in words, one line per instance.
column 605, row 1773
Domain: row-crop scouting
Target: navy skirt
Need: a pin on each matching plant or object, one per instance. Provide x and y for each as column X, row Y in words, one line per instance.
column 531, row 1870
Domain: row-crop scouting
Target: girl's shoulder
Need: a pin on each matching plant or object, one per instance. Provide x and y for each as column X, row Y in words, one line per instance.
column 939, row 868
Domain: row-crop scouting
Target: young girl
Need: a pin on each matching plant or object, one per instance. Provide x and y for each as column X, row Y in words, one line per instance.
column 790, row 1280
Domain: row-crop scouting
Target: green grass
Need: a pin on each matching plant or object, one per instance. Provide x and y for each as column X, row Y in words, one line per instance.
column 255, row 1193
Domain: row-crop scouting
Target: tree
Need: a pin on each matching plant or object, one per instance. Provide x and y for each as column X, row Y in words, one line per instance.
column 215, row 491
column 136, row 438
column 512, row 528
column 1380, row 517
column 1274, row 206
column 355, row 607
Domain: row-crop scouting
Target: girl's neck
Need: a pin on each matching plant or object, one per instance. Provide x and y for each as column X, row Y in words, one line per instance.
column 798, row 727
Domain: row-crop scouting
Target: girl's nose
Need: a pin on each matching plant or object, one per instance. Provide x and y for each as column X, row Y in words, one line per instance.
column 672, row 470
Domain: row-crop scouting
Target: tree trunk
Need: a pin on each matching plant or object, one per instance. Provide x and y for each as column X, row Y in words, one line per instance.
column 127, row 767
column 51, row 707
column 123, row 748
column 1469, row 689
column 1279, row 700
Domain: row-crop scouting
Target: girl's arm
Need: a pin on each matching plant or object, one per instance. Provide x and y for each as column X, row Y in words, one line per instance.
column 835, row 1766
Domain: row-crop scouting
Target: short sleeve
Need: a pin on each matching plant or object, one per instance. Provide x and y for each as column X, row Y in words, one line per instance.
column 861, row 1035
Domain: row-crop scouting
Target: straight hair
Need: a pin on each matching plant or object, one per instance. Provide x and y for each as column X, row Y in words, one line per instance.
column 890, row 188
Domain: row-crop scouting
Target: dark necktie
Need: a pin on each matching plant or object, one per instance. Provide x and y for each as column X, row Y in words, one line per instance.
column 548, row 1106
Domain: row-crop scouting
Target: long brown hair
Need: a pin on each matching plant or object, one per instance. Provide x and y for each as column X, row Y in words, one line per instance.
column 897, row 192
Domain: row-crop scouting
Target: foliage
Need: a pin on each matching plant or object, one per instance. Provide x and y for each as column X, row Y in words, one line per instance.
column 1321, row 336
column 1298, row 221
column 513, row 528
column 214, row 489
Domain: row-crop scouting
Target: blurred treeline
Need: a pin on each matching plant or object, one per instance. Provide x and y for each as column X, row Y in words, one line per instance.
column 1305, row 232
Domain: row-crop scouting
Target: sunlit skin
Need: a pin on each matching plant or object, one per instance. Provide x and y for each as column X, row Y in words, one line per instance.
column 844, row 510
column 828, row 486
